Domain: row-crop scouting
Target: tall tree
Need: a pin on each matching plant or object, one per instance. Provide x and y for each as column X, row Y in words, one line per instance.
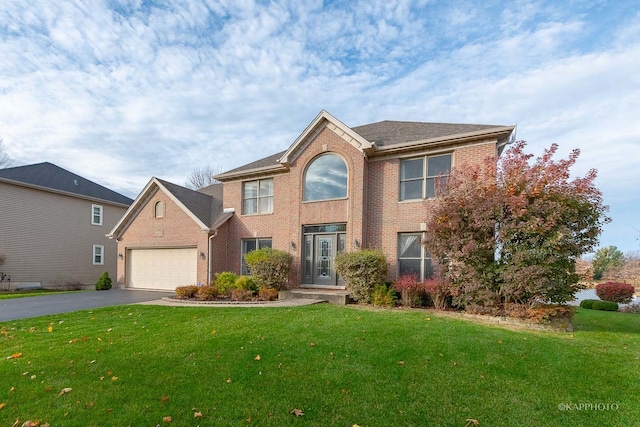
column 202, row 177
column 606, row 258
column 514, row 229
column 5, row 160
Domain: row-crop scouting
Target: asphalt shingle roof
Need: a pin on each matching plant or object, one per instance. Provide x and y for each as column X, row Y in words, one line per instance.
column 388, row 133
column 205, row 204
column 48, row 175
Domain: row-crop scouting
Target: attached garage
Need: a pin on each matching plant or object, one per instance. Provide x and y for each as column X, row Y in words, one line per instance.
column 165, row 268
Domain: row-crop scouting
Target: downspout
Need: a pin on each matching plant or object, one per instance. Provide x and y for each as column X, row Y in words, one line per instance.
column 215, row 233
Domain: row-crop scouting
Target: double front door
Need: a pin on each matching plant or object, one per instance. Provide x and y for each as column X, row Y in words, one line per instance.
column 321, row 244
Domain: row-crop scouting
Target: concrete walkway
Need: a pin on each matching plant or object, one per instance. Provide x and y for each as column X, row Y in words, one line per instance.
column 279, row 303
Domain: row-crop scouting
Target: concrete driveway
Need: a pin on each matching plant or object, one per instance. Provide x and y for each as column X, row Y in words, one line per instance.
column 22, row 308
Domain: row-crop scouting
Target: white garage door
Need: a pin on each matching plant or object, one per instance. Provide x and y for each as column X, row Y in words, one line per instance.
column 161, row 268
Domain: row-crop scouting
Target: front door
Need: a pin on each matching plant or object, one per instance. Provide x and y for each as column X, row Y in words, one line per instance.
column 324, row 273
column 320, row 246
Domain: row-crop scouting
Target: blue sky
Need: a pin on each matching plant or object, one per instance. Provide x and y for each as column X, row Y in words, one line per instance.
column 120, row 91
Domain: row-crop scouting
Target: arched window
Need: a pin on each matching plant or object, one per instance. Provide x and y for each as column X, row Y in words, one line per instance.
column 159, row 210
column 325, row 178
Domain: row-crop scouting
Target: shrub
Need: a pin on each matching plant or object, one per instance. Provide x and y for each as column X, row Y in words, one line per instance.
column 207, row 293
column 246, row 283
column 361, row 271
column 225, row 282
column 631, row 308
column 587, row 303
column 267, row 294
column 439, row 290
column 605, row 306
column 410, row 290
column 241, row 295
column 186, row 292
column 104, row 282
column 384, row 295
column 269, row 267
column 614, row 291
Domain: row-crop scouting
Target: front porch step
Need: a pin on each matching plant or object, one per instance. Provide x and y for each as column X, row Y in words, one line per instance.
column 338, row 297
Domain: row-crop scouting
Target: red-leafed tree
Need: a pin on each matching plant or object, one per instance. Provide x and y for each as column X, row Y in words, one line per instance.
column 513, row 229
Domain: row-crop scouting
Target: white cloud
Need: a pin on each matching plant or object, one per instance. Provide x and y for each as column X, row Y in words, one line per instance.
column 122, row 91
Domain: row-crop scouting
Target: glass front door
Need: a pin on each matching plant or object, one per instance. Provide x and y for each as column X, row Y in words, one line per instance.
column 321, row 244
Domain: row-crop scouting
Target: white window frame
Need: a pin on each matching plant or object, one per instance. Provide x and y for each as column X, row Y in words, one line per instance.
column 98, row 255
column 258, row 197
column 423, row 258
column 426, row 176
column 99, row 214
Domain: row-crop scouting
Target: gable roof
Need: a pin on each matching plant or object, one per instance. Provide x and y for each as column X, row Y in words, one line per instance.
column 204, row 206
column 374, row 139
column 47, row 176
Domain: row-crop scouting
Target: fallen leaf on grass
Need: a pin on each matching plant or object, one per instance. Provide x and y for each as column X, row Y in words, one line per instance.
column 197, row 415
column 50, row 328
column 164, row 399
column 471, row 421
column 228, row 380
column 297, row 412
column 65, row 390
column 2, row 405
column 167, row 419
column 15, row 356
column 312, row 344
column 16, row 423
column 401, row 362
column 257, row 357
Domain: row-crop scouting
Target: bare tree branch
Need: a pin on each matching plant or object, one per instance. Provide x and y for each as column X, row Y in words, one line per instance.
column 5, row 160
column 203, row 177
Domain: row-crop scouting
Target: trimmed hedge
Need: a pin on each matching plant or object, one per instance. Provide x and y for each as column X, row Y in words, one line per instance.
column 588, row 303
column 605, row 306
column 269, row 267
column 362, row 271
column 104, row 282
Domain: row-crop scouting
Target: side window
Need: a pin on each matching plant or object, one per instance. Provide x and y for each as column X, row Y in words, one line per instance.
column 249, row 245
column 326, row 178
column 159, row 210
column 96, row 215
column 418, row 177
column 257, row 197
column 98, row 255
column 413, row 259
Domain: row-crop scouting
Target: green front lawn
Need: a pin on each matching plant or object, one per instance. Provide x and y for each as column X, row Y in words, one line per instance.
column 136, row 365
column 30, row 293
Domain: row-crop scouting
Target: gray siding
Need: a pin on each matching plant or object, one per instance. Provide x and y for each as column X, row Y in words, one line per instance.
column 48, row 237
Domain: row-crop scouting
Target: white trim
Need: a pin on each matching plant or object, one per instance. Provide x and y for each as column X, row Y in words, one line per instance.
column 94, row 254
column 100, row 214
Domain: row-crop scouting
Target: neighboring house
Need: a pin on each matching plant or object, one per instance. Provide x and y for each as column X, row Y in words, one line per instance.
column 53, row 226
column 334, row 189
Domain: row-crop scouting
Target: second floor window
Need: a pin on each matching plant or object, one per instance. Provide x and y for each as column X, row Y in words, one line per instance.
column 418, row 176
column 257, row 197
column 325, row 178
column 96, row 215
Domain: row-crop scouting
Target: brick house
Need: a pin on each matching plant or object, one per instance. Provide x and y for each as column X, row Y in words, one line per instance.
column 334, row 189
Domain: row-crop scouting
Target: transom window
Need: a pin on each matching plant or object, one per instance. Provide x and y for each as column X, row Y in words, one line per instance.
column 257, row 197
column 325, row 178
column 159, row 210
column 413, row 258
column 418, row 176
column 98, row 255
column 249, row 245
column 96, row 215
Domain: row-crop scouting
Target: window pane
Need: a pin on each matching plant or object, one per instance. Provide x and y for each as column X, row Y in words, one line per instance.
column 250, row 206
column 248, row 246
column 409, row 246
column 411, row 190
column 264, row 243
column 428, row 268
column 326, row 178
column 250, row 190
column 266, row 187
column 409, row 267
column 266, row 204
column 410, row 169
column 439, row 165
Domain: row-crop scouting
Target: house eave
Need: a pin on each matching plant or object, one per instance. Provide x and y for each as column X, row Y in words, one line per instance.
column 230, row 176
column 501, row 133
